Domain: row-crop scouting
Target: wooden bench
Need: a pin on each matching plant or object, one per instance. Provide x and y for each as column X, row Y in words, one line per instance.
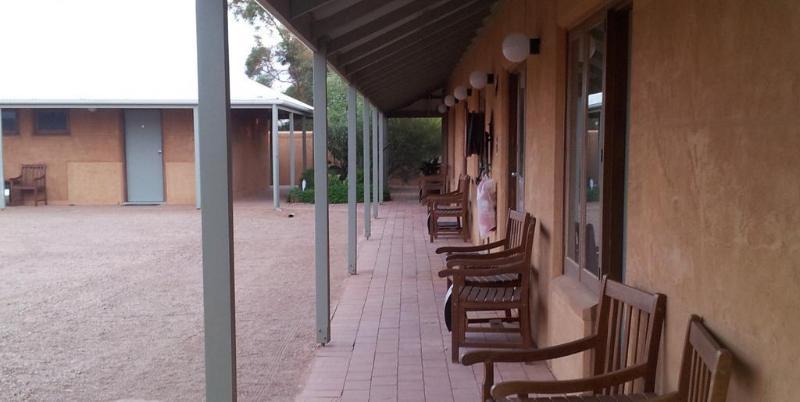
column 624, row 345
column 33, row 179
column 516, row 227
column 474, row 298
column 452, row 205
column 433, row 184
column 704, row 376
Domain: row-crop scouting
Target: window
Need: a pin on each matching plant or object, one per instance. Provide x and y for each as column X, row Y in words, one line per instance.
column 10, row 122
column 595, row 148
column 51, row 121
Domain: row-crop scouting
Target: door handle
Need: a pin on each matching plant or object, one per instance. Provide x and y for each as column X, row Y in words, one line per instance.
column 159, row 152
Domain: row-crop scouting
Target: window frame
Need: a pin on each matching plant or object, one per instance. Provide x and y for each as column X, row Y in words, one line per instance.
column 613, row 125
column 16, row 131
column 39, row 131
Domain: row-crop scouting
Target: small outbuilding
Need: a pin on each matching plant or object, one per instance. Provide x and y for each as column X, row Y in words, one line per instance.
column 114, row 124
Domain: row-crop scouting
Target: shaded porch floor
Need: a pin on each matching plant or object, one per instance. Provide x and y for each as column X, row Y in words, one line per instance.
column 389, row 340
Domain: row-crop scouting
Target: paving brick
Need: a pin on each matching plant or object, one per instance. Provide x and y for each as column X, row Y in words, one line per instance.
column 389, row 341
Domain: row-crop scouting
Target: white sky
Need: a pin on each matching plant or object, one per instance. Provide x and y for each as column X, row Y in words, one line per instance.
column 55, row 49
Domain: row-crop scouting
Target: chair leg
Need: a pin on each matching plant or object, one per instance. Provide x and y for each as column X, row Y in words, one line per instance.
column 455, row 336
column 488, row 380
column 525, row 326
column 435, row 226
column 35, row 197
column 431, row 229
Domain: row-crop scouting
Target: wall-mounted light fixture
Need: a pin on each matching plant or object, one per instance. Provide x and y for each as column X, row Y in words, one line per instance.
column 460, row 92
column 442, row 108
column 517, row 47
column 449, row 100
column 478, row 79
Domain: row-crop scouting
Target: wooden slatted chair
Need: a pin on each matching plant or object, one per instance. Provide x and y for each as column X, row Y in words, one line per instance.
column 704, row 376
column 624, row 346
column 454, row 205
column 480, row 298
column 430, row 198
column 33, row 179
column 513, row 244
column 516, row 226
column 433, row 184
column 706, row 366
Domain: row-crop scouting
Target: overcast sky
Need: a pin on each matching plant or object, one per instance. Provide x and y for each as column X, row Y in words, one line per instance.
column 69, row 44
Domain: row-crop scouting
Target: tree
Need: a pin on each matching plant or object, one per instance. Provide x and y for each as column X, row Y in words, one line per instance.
column 410, row 141
column 290, row 52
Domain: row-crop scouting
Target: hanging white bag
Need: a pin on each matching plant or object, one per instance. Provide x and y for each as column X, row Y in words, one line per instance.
column 487, row 213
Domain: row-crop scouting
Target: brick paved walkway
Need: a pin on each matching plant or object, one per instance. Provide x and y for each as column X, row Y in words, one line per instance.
column 389, row 340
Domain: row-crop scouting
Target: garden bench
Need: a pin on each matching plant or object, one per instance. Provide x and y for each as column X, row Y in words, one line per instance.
column 32, row 178
column 481, row 298
column 624, row 345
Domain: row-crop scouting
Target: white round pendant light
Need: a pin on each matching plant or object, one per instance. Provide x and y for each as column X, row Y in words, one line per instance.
column 460, row 92
column 516, row 47
column 477, row 79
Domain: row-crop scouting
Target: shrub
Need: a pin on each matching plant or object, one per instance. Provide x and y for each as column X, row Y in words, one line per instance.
column 337, row 189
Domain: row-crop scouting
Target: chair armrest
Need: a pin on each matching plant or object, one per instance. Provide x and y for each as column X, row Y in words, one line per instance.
column 15, row 179
column 618, row 377
column 479, row 272
column 436, row 177
column 483, row 262
column 42, row 177
column 449, row 197
column 530, row 355
column 470, row 249
column 474, row 257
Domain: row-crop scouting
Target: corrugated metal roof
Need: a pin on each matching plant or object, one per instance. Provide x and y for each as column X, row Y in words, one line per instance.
column 65, row 54
column 395, row 52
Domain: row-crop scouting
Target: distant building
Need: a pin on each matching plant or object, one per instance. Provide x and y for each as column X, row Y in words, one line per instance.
column 127, row 135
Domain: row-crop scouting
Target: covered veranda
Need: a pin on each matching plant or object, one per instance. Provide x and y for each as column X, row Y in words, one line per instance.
column 388, row 336
column 395, row 78
column 653, row 142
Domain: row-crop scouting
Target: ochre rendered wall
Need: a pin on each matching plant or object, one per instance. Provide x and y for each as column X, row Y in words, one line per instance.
column 713, row 185
column 712, row 173
column 250, row 153
column 179, row 173
column 283, row 138
column 87, row 166
column 543, row 153
column 91, row 155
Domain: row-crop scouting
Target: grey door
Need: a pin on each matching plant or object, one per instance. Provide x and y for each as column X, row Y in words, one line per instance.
column 143, row 156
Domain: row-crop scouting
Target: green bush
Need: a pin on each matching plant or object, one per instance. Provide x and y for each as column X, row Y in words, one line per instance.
column 337, row 189
column 593, row 194
column 308, row 176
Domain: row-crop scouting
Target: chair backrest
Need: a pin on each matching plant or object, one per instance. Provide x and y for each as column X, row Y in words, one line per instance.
column 527, row 255
column 706, row 366
column 443, row 171
column 463, row 189
column 30, row 173
column 516, row 227
column 629, row 326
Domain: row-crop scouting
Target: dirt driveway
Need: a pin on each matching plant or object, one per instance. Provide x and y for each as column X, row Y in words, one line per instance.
column 105, row 303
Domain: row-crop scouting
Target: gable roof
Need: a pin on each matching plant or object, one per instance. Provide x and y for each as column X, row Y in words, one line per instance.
column 111, row 53
column 395, row 52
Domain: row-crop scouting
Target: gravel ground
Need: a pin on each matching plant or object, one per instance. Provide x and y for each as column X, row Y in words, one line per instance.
column 105, row 303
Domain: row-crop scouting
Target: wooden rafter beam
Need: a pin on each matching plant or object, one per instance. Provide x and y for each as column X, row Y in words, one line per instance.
column 302, row 7
column 379, row 25
column 422, row 46
column 432, row 32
